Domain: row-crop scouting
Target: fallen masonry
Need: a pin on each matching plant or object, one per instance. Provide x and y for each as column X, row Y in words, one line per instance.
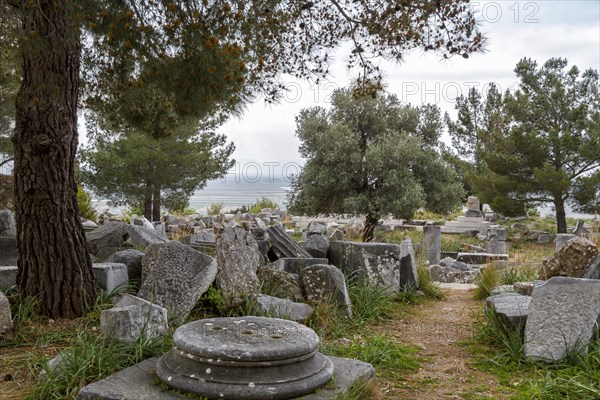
column 240, row 358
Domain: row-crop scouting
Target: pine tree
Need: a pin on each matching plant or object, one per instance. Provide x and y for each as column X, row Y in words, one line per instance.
column 186, row 50
column 548, row 151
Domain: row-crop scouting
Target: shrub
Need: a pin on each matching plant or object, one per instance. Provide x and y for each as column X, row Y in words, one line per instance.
column 84, row 201
column 214, row 208
column 262, row 203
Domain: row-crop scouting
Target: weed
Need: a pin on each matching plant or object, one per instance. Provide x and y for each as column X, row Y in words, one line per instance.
column 426, row 285
column 487, row 280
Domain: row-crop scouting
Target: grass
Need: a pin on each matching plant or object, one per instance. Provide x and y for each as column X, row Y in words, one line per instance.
column 389, row 358
column 90, row 358
column 85, row 355
column 487, row 280
column 498, row 351
column 491, row 277
column 361, row 390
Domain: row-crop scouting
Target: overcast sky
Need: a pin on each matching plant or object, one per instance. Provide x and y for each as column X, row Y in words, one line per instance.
column 514, row 29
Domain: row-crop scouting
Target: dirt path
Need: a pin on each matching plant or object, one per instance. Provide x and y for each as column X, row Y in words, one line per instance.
column 440, row 329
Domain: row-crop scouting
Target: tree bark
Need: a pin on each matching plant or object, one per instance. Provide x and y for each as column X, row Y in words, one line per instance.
column 148, row 202
column 368, row 232
column 156, row 203
column 54, row 266
column 561, row 218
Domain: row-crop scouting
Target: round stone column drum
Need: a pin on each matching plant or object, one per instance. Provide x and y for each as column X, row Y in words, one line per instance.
column 245, row 358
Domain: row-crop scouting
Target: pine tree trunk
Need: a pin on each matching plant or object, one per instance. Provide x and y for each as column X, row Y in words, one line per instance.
column 156, row 204
column 148, row 202
column 561, row 218
column 54, row 266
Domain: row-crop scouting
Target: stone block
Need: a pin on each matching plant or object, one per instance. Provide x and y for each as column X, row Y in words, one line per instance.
column 561, row 240
column 132, row 317
column 317, row 246
column 480, row 258
column 5, row 316
column 133, row 260
column 592, row 271
column 238, row 258
column 511, row 308
column 8, row 277
column 295, row 265
column 280, row 284
column 8, row 251
column 432, row 243
column 281, row 308
column 571, row 260
column 8, row 227
column 443, row 274
column 175, row 276
column 111, row 276
column 390, row 266
column 562, row 317
column 324, row 282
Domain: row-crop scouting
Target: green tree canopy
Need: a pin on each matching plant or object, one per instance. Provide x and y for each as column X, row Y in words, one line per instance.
column 372, row 156
column 133, row 43
column 548, row 148
column 10, row 75
column 137, row 170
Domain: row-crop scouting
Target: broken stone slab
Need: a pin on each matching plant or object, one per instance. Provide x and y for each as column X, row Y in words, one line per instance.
column 571, row 260
column 141, row 236
column 8, row 226
column 561, row 240
column 432, row 243
column 111, row 276
column 283, row 245
column 511, row 308
column 8, row 251
column 390, row 266
column 562, row 316
column 480, row 258
column 295, row 265
column 527, row 288
column 502, row 289
column 443, row 274
column 175, row 276
column 315, row 228
column 592, row 271
column 139, row 382
column 133, row 317
column 5, row 315
column 8, row 277
column 133, row 260
column 281, row 308
column 317, row 246
column 108, row 235
column 238, row 258
column 324, row 282
column 452, row 263
column 280, row 284
column 120, row 234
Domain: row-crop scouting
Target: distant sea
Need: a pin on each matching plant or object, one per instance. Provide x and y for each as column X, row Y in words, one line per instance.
column 232, row 192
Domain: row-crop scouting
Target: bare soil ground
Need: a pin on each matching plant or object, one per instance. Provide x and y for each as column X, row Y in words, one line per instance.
column 441, row 329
